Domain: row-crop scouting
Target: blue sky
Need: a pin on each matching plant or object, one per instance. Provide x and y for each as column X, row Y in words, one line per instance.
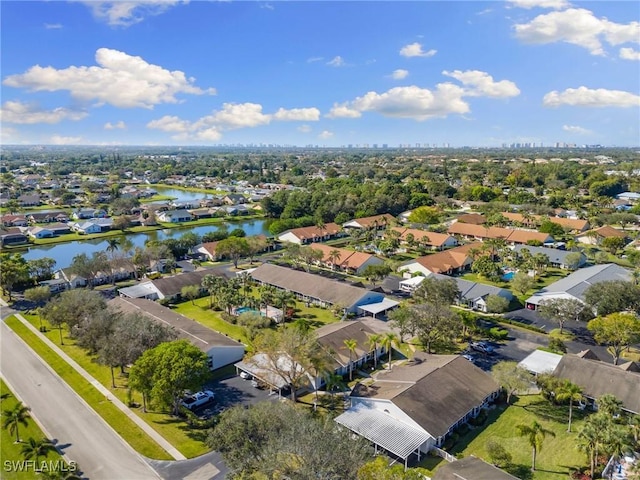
column 320, row 73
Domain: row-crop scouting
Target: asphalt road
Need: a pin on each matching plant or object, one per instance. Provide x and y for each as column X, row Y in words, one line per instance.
column 80, row 433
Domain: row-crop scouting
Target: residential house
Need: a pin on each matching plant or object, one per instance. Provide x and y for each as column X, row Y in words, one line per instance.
column 575, row 285
column 533, row 221
column 220, row 349
column 71, row 279
column 47, row 217
column 472, row 294
column 376, row 222
column 470, row 468
column 88, row 213
column 202, row 213
column 599, row 378
column 39, row 232
column 208, row 250
column 166, row 287
column 349, row 260
column 436, row 241
column 540, row 362
column 59, row 228
column 14, row 221
column 512, row 236
column 322, row 291
column 234, row 199
column 29, row 200
column 629, row 196
column 87, row 227
column 597, row 235
column 557, row 258
column 415, row 406
column 12, row 236
column 305, row 235
column 454, row 260
column 175, row 216
column 185, row 204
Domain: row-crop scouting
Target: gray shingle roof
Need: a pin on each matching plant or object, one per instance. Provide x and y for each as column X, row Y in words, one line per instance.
column 333, row 335
column 471, row 290
column 471, row 468
column 555, row 256
column 310, row 285
column 171, row 286
column 597, row 378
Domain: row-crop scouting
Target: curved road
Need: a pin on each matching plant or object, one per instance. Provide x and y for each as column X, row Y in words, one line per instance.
column 80, row 432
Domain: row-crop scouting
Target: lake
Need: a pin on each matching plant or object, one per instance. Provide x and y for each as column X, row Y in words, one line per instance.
column 63, row 253
column 178, row 195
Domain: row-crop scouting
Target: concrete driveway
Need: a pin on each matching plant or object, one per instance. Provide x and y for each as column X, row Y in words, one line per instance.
column 233, row 391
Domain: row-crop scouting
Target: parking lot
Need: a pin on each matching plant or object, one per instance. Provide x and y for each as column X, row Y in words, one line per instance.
column 233, row 391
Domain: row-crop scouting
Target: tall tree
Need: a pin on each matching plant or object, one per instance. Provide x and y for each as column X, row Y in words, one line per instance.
column 535, row 434
column 179, row 366
column 562, row 310
column 613, row 296
column 440, row 292
column 569, row 391
column 511, row 377
column 212, row 284
column 37, row 448
column 616, row 330
column 15, row 417
column 434, row 323
column 389, row 339
column 71, row 307
column 234, row 248
column 41, row 268
column 190, row 292
column 351, row 345
column 14, row 271
column 373, row 341
column 89, row 267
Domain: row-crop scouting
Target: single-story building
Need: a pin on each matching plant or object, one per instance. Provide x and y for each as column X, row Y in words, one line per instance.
column 540, row 362
column 14, row 221
column 413, row 407
column 175, row 216
column 39, row 232
column 597, row 235
column 207, row 250
column 454, row 260
column 436, row 241
column 12, row 236
column 87, row 227
column 304, row 235
column 578, row 282
column 599, row 378
column 472, row 218
column 166, row 287
column 557, row 258
column 349, row 260
column 319, row 290
column 220, row 349
column 376, row 222
column 512, row 236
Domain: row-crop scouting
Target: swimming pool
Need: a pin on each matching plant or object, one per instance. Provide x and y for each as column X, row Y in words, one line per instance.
column 508, row 276
column 241, row 310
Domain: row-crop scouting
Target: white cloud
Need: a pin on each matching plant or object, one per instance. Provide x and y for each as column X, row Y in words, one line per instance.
column 297, row 114
column 304, row 128
column 629, row 54
column 53, row 26
column 337, row 61
column 126, row 13
column 343, row 111
column 481, row 84
column 120, row 80
column 232, row 116
column 25, row 113
column 112, row 126
column 314, row 59
column 415, row 50
column 529, row 4
column 400, row 74
column 577, row 26
column 575, row 129
column 586, row 97
column 9, row 135
column 60, row 140
column 325, row 134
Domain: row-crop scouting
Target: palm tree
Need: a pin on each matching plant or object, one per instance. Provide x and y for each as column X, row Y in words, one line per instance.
column 373, row 342
column 588, row 439
column 285, row 298
column 609, row 404
column 334, row 256
column 319, row 366
column 112, row 245
column 535, row 434
column 390, row 339
column 213, row 284
column 351, row 345
column 569, row 391
column 37, row 448
column 14, row 417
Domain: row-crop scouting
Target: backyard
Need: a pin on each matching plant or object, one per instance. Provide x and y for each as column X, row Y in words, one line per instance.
column 558, row 456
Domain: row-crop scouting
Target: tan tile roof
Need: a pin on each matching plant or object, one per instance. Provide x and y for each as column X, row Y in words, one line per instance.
column 312, row 232
column 443, row 262
column 348, row 258
column 510, row 235
column 435, row 239
column 473, row 218
column 384, row 219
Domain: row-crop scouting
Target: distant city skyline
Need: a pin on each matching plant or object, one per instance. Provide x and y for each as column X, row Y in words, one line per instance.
column 538, row 73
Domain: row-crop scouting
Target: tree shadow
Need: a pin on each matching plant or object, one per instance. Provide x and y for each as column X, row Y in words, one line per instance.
column 523, row 472
column 547, row 410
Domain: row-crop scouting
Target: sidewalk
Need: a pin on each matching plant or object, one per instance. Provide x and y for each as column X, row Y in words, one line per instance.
column 102, row 389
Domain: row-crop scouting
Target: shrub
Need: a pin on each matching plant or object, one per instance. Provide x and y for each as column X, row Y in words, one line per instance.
column 498, row 333
column 480, row 419
column 556, row 345
column 498, row 454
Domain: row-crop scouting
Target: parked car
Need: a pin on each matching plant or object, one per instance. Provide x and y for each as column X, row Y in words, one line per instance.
column 469, row 357
column 245, row 375
column 482, row 347
column 197, row 399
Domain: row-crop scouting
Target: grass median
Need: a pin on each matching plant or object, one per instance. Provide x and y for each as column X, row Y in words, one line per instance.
column 129, row 431
column 189, row 441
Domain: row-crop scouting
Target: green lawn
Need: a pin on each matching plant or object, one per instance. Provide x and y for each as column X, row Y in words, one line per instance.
column 200, row 312
column 11, row 451
column 176, row 432
column 558, row 455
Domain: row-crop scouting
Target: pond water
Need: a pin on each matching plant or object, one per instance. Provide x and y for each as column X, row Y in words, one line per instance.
column 63, row 253
column 179, row 195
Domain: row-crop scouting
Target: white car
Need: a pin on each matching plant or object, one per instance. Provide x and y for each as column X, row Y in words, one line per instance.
column 197, row 399
column 245, row 375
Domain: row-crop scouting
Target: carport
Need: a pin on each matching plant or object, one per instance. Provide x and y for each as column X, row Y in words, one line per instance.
column 379, row 307
column 255, row 367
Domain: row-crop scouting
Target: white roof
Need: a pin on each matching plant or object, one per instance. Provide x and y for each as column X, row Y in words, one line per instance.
column 540, row 361
column 378, row 307
column 413, row 281
column 384, row 430
column 139, row 291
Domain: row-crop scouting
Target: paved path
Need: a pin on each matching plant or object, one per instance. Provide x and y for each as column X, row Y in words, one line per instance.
column 80, row 433
column 106, row 392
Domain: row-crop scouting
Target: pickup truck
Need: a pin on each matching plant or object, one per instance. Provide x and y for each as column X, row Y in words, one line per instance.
column 197, row 399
